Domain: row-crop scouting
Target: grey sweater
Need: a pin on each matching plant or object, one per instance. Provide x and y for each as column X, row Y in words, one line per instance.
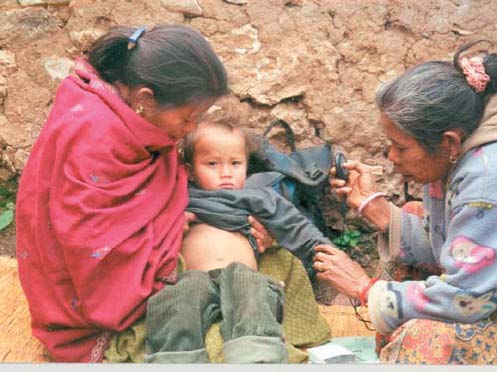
column 229, row 210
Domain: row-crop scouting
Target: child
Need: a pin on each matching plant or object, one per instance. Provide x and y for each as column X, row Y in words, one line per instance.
column 221, row 280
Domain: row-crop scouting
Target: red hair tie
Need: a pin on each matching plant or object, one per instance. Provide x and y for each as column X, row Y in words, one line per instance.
column 474, row 70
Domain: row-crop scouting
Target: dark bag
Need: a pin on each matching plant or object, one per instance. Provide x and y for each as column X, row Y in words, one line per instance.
column 300, row 177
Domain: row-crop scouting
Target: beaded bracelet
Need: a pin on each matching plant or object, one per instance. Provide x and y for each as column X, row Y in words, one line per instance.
column 368, row 200
column 365, row 290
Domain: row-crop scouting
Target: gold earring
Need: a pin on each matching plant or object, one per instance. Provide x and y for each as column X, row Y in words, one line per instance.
column 140, row 110
column 452, row 159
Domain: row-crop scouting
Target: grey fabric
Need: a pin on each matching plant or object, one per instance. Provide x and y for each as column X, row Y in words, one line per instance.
column 261, row 350
column 229, row 210
column 251, row 303
column 179, row 316
column 195, row 356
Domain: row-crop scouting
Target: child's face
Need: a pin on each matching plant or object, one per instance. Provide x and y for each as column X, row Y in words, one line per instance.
column 219, row 160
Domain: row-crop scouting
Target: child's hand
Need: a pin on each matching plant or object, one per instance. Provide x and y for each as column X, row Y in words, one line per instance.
column 189, row 217
column 262, row 236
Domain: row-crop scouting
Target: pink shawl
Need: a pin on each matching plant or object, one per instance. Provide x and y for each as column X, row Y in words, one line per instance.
column 99, row 219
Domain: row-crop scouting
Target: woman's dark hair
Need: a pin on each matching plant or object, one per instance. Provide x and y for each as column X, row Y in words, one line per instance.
column 175, row 61
column 433, row 97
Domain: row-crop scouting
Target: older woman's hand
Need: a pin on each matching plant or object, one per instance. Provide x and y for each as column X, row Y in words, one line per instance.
column 338, row 270
column 360, row 185
column 262, row 236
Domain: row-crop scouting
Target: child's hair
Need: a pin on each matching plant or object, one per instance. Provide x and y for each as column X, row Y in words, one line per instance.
column 224, row 123
column 175, row 62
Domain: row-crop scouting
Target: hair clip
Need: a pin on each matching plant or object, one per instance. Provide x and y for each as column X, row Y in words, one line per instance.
column 133, row 39
column 475, row 74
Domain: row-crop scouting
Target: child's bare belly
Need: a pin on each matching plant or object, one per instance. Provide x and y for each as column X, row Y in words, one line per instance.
column 206, row 248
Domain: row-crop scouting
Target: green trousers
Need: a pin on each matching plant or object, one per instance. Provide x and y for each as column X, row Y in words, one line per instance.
column 249, row 305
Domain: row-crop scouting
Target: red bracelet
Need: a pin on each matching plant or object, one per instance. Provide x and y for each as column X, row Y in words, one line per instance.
column 365, row 290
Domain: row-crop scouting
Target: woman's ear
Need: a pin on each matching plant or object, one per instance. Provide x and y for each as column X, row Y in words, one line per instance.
column 453, row 140
column 189, row 171
column 145, row 97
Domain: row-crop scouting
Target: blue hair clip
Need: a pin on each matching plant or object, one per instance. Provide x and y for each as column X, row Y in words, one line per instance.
column 133, row 39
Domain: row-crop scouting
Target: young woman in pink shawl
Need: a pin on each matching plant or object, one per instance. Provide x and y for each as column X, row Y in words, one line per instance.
column 100, row 210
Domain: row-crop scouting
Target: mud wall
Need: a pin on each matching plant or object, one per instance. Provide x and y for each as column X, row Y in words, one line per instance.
column 313, row 63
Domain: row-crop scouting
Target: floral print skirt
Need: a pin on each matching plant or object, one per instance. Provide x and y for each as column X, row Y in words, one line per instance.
column 423, row 341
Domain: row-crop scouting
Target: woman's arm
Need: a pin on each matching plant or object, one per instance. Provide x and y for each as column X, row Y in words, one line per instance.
column 399, row 230
column 466, row 290
column 339, row 271
column 358, row 189
column 118, row 216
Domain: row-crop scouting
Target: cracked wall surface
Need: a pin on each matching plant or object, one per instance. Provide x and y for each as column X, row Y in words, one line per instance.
column 314, row 63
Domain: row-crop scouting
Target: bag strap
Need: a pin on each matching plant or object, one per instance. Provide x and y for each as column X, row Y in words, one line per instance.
column 309, row 166
column 289, row 135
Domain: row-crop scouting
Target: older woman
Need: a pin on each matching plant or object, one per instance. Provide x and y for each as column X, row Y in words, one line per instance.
column 441, row 120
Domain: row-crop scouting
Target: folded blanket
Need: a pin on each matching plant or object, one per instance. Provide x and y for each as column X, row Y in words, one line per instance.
column 302, row 323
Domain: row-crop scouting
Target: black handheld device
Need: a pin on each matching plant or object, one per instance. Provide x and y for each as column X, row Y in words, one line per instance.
column 341, row 172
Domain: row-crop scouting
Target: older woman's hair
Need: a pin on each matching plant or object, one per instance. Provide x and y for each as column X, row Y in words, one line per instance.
column 176, row 62
column 433, row 97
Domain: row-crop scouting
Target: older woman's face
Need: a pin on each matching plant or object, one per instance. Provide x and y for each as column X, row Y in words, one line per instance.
column 411, row 159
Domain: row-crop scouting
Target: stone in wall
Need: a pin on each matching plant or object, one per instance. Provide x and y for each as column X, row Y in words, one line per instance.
column 237, row 2
column 7, row 63
column 220, row 17
column 91, row 18
column 3, row 124
column 19, row 26
column 187, row 7
column 9, row 4
column 43, row 2
column 25, row 110
column 7, row 67
column 32, row 58
column 58, row 68
column 3, row 92
column 273, row 69
column 83, row 39
column 20, row 158
column 5, row 160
